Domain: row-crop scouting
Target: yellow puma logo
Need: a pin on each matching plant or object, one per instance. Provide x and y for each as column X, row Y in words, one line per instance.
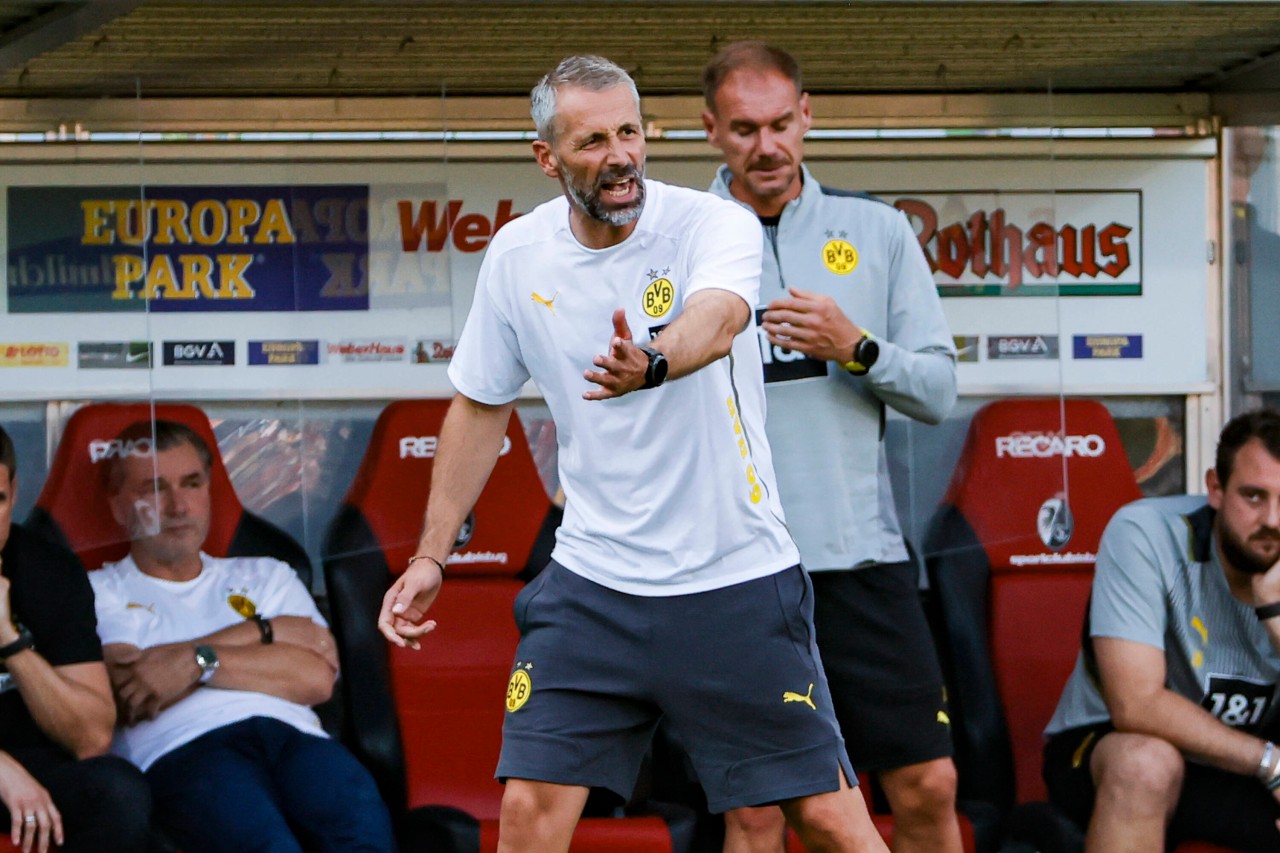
column 788, row 696
column 550, row 303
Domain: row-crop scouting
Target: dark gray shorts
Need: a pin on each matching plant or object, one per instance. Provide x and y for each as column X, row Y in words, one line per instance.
column 735, row 671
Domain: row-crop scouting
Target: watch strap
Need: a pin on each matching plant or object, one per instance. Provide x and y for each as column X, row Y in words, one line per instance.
column 1265, row 612
column 853, row 365
column 651, row 377
column 264, row 628
column 25, row 641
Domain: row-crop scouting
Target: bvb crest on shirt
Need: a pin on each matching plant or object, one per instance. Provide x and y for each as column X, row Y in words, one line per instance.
column 242, row 605
column 838, row 254
column 660, row 295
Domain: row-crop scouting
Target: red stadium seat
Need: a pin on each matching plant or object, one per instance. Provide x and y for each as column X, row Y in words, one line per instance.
column 72, row 507
column 1011, row 573
column 428, row 724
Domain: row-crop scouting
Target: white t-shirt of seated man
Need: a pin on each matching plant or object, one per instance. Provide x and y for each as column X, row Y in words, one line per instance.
column 144, row 611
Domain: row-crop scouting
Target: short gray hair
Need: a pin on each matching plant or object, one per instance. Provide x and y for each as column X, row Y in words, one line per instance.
column 593, row 73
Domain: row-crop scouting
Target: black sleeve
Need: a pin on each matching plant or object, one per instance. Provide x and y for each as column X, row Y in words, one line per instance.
column 50, row 594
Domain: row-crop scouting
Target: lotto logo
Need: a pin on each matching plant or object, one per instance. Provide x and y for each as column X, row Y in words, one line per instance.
column 100, row 449
column 424, row 446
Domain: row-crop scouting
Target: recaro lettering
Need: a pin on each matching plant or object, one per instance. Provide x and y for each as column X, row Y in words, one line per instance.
column 1045, row 445
column 100, row 449
column 424, row 446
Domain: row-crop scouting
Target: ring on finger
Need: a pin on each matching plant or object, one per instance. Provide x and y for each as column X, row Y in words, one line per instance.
column 29, row 818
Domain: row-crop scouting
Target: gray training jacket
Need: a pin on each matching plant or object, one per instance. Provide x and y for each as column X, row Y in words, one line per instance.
column 825, row 425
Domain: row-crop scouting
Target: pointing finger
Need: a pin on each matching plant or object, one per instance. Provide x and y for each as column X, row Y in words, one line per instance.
column 620, row 327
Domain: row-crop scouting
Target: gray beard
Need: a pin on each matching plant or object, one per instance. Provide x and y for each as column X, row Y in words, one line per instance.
column 593, row 205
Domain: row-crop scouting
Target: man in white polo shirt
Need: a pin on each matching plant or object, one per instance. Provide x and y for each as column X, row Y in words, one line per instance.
column 215, row 664
column 674, row 590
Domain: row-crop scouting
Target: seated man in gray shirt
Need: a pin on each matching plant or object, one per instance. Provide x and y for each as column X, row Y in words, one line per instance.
column 1165, row 727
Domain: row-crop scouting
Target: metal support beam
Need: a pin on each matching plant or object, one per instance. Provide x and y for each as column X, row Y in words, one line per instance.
column 1189, row 112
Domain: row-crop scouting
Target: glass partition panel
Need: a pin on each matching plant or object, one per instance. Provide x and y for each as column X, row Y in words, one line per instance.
column 1253, row 189
column 297, row 301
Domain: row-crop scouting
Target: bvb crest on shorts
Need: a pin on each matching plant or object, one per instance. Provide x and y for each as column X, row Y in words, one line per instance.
column 519, row 687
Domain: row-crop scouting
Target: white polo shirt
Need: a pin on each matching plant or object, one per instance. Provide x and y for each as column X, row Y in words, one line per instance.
column 669, row 490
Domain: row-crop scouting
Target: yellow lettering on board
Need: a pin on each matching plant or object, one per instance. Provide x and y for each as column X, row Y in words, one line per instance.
column 274, row 227
column 95, row 220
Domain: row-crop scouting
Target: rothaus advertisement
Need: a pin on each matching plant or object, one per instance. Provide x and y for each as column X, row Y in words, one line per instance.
column 353, row 279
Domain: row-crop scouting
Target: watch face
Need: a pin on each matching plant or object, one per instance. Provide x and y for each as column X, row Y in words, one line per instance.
column 656, row 373
column 207, row 660
column 658, row 364
column 868, row 352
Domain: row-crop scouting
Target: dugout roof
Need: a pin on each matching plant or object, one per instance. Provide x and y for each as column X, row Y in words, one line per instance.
column 112, row 50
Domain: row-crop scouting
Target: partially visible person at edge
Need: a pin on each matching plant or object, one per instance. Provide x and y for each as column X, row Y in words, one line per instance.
column 214, row 663
column 57, row 787
column 854, row 323
column 673, row 567
column 1166, row 729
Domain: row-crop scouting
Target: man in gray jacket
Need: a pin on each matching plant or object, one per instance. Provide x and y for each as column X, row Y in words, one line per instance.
column 850, row 322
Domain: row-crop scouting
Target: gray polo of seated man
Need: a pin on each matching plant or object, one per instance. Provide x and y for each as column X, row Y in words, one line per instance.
column 1166, row 726
column 214, row 663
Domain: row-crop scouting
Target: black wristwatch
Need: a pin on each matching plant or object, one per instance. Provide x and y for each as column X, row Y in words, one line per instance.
column 656, row 373
column 865, row 354
column 25, row 641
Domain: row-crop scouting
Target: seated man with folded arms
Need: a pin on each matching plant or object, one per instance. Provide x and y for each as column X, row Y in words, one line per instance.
column 56, row 785
column 215, row 663
column 1166, row 726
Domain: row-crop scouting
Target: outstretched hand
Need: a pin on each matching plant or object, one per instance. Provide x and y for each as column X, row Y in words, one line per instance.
column 623, row 368
column 811, row 323
column 405, row 605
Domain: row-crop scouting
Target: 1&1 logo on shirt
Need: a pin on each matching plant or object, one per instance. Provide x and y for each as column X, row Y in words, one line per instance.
column 1236, row 700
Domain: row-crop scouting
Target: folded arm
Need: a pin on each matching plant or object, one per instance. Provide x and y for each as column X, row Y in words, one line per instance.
column 299, row 666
